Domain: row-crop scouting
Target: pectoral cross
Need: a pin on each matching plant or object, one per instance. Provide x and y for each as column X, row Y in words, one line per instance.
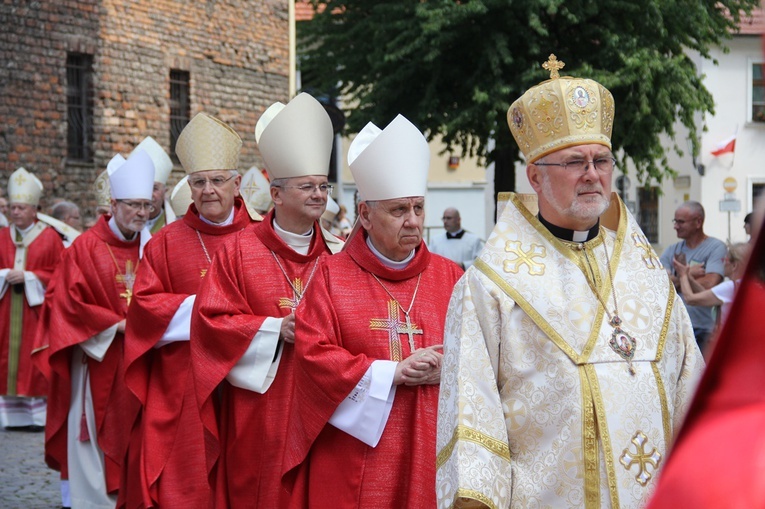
column 297, row 290
column 127, row 279
column 394, row 328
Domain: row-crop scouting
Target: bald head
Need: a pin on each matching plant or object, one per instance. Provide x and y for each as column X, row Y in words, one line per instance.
column 69, row 213
column 452, row 221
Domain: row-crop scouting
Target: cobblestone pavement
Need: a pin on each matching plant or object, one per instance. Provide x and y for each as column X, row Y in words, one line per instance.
column 25, row 481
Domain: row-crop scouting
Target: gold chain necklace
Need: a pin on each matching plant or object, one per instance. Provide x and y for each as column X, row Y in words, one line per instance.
column 128, row 278
column 297, row 286
column 410, row 330
column 621, row 341
column 203, row 272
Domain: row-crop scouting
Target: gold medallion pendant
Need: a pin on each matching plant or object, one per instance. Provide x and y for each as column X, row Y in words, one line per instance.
column 622, row 343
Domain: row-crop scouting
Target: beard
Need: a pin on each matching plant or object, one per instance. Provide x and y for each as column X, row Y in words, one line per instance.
column 583, row 209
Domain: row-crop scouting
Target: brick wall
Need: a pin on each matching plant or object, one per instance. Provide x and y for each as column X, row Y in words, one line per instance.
column 236, row 52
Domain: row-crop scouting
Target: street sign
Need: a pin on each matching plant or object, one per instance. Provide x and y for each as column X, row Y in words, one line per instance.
column 730, row 205
column 730, row 184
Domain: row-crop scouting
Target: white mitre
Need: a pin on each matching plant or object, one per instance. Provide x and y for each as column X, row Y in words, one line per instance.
column 23, row 187
column 163, row 165
column 295, row 140
column 256, row 190
column 392, row 163
column 331, row 211
column 180, row 198
column 133, row 179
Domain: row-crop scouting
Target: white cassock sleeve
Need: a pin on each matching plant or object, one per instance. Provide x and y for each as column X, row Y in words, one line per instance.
column 179, row 328
column 33, row 288
column 364, row 412
column 3, row 283
column 256, row 370
column 96, row 346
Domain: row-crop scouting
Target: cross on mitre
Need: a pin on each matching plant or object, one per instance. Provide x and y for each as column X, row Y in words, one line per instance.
column 553, row 65
column 250, row 190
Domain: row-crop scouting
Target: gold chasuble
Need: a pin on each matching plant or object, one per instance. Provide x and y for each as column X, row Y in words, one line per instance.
column 545, row 410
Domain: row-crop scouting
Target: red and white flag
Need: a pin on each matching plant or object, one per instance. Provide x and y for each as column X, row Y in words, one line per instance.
column 726, row 146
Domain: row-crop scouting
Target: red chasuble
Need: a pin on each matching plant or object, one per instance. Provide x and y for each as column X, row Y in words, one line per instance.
column 346, row 325
column 42, row 256
column 245, row 286
column 166, row 460
column 90, row 297
column 718, row 459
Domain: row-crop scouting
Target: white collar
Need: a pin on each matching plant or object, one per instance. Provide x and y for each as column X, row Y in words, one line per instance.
column 392, row 264
column 229, row 220
column 301, row 243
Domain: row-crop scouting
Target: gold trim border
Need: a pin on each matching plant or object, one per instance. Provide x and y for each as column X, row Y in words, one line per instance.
column 540, row 322
column 491, row 444
column 473, row 495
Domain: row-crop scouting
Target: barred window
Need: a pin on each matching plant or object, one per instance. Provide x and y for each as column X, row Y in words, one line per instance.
column 758, row 93
column 648, row 212
column 79, row 99
column 180, row 105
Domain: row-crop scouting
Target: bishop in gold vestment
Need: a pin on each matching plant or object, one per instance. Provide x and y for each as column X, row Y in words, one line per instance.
column 569, row 361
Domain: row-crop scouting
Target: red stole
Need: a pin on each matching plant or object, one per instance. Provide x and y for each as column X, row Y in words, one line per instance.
column 90, row 300
column 42, row 257
column 338, row 338
column 173, row 267
column 245, row 286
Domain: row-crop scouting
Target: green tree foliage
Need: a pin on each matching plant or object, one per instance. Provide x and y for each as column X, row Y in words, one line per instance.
column 454, row 67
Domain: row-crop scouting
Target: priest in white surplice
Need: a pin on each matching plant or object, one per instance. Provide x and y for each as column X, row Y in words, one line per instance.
column 569, row 360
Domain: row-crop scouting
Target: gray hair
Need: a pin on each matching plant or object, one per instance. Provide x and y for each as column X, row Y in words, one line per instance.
column 63, row 209
column 695, row 208
column 279, row 182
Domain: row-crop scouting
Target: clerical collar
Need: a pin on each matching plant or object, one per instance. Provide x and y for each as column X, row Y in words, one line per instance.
column 391, row 264
column 570, row 235
column 25, row 230
column 455, row 235
column 301, row 243
column 229, row 220
column 118, row 233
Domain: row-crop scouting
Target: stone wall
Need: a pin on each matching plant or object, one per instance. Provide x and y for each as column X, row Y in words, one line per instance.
column 236, row 52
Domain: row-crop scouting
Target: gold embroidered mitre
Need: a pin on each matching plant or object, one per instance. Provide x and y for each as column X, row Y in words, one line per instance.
column 23, row 187
column 207, row 143
column 102, row 189
column 560, row 113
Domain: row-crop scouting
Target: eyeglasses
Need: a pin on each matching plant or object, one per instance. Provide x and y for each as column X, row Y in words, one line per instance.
column 215, row 182
column 681, row 222
column 135, row 205
column 310, row 188
column 602, row 164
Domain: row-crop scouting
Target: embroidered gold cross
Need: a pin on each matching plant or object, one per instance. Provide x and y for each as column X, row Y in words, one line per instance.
column 20, row 179
column 249, row 190
column 649, row 257
column 524, row 258
column 394, row 328
column 641, row 458
column 127, row 279
column 297, row 290
column 553, row 65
